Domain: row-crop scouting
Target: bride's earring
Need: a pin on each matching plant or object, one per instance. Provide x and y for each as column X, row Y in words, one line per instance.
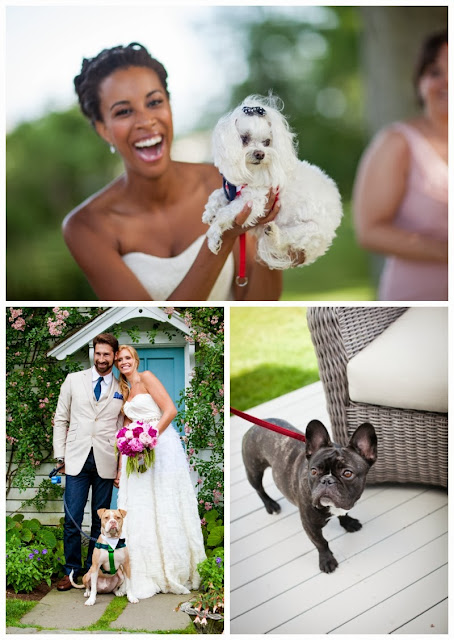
column 112, row 149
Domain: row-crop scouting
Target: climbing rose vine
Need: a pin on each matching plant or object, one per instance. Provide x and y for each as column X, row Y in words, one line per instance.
column 202, row 407
column 33, row 383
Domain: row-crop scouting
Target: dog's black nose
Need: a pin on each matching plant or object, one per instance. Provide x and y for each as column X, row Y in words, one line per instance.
column 327, row 480
column 259, row 155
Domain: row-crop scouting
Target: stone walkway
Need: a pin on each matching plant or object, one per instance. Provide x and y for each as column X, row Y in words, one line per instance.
column 65, row 612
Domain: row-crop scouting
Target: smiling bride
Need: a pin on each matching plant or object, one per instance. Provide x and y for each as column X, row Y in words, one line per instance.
column 142, row 236
column 162, row 525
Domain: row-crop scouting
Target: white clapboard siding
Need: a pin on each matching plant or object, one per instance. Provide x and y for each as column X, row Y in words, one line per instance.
column 392, row 574
column 52, row 511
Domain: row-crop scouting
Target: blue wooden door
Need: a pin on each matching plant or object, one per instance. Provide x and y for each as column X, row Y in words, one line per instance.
column 167, row 364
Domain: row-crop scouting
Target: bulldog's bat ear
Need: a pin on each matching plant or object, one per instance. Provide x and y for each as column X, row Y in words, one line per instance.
column 364, row 442
column 123, row 512
column 317, row 437
column 100, row 512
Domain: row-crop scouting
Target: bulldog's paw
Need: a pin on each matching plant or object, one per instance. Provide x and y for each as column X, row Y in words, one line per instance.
column 350, row 524
column 328, row 562
column 120, row 592
column 271, row 505
column 90, row 602
column 87, row 593
column 132, row 599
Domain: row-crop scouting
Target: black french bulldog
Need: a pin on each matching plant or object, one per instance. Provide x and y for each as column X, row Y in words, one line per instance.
column 320, row 477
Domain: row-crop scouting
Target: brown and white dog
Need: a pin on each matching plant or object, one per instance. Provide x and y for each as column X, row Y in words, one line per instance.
column 113, row 573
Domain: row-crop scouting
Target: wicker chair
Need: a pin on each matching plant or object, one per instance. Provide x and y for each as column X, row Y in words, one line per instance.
column 412, row 445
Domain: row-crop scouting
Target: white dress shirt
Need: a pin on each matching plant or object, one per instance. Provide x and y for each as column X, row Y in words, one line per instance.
column 105, row 383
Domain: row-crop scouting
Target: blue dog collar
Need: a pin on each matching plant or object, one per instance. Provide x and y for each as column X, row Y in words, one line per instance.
column 231, row 191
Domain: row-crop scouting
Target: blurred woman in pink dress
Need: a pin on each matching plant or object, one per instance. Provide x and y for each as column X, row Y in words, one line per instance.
column 400, row 196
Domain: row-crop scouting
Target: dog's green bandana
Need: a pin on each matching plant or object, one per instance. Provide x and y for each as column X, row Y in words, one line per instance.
column 108, row 548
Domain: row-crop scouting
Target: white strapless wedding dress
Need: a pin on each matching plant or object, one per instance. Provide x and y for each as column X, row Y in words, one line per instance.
column 162, row 526
column 161, row 276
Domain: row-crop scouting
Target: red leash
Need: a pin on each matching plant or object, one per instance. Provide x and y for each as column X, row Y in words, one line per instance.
column 268, row 425
column 241, row 278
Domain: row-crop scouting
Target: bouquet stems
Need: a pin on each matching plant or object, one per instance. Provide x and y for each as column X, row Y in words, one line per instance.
column 141, row 462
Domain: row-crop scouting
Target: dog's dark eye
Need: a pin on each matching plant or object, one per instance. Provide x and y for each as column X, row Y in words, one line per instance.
column 245, row 140
column 347, row 473
column 266, row 143
column 313, row 471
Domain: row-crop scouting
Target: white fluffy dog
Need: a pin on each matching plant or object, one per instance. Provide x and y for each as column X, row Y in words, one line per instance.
column 254, row 150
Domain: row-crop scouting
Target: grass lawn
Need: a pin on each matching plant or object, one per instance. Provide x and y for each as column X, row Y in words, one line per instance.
column 16, row 609
column 271, row 353
column 343, row 273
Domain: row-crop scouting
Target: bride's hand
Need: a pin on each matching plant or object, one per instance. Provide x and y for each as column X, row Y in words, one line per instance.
column 116, row 482
column 272, row 207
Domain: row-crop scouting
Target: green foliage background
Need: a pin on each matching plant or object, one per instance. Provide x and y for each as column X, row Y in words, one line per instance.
column 53, row 164
column 202, row 413
column 300, row 60
column 308, row 56
column 33, row 383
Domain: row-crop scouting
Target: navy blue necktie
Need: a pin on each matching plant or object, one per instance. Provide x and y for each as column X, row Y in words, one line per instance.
column 98, row 387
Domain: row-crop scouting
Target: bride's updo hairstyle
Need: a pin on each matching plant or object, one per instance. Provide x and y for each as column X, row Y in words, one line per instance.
column 124, row 386
column 95, row 70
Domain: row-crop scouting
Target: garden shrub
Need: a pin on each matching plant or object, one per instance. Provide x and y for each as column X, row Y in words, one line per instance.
column 34, row 553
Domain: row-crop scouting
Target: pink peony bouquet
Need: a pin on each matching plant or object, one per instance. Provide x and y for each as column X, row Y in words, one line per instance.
column 137, row 441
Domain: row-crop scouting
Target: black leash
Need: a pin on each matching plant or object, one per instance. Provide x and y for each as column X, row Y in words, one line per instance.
column 75, row 523
column 51, row 475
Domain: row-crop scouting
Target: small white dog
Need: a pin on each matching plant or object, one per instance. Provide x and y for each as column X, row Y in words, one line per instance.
column 254, row 150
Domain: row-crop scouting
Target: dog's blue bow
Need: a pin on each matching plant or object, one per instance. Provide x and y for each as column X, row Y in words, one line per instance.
column 254, row 111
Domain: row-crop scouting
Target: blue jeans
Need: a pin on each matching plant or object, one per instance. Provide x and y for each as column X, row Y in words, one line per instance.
column 76, row 496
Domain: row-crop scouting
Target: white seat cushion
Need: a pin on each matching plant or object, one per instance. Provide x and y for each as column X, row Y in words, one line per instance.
column 407, row 365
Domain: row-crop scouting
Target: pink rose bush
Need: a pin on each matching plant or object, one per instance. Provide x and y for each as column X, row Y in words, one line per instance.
column 137, row 441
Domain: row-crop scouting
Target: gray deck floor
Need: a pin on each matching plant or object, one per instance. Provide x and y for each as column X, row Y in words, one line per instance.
column 392, row 575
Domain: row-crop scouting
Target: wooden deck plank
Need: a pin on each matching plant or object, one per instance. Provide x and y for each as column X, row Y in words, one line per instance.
column 269, row 611
column 276, row 586
column 390, row 614
column 242, row 489
column 370, row 592
column 433, row 620
column 278, row 529
column 303, row 566
column 257, row 520
column 298, row 543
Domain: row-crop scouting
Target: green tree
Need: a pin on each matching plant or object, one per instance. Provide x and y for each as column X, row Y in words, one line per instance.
column 53, row 164
column 309, row 57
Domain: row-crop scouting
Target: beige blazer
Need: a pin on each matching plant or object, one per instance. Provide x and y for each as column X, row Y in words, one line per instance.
column 81, row 423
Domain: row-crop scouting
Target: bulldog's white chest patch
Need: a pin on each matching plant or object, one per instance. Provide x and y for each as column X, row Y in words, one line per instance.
column 333, row 510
